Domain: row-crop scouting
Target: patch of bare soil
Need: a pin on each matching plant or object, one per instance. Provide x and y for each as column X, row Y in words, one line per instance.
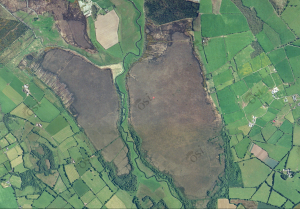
column 246, row 203
column 216, row 6
column 171, row 112
column 70, row 21
column 96, row 100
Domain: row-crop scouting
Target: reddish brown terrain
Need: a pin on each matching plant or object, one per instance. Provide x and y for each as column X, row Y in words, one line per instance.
column 172, row 113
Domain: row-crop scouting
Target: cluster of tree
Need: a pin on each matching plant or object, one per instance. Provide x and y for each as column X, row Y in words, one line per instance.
column 41, row 163
column 254, row 22
column 28, row 178
column 164, row 11
column 126, row 182
column 257, row 49
column 94, row 12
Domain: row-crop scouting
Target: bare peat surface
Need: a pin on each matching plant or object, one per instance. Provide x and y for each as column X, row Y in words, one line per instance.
column 171, row 112
column 96, row 99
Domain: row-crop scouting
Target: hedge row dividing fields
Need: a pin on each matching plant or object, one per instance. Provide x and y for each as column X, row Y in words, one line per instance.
column 257, row 95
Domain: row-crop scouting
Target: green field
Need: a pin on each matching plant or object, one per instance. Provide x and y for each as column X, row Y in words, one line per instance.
column 44, row 200
column 262, row 194
column 56, row 125
column 226, row 24
column 215, row 52
column 241, row 193
column 206, row 6
column 291, row 16
column 253, row 172
column 46, row 111
column 7, row 198
column 276, row 199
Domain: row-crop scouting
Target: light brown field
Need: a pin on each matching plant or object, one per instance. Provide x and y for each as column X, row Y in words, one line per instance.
column 224, row 204
column 107, row 29
column 216, row 6
column 259, row 152
column 50, row 179
column 115, row 202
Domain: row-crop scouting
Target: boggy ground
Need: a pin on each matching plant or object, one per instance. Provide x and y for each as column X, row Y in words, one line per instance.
column 96, row 101
column 171, row 112
column 69, row 19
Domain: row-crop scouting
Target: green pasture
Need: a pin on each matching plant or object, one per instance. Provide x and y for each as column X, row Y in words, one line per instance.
column 276, row 152
column 229, row 118
column 225, row 24
column 223, row 77
column 56, row 125
column 35, row 91
column 6, row 104
column 228, row 6
column 264, row 41
column 295, row 64
column 284, row 71
column 288, row 188
column 287, row 127
column 236, row 42
column 44, row 200
column 293, row 160
column 280, row 27
column 93, row 180
column 227, row 101
column 243, row 56
column 254, row 172
column 262, row 194
column 46, row 111
column 275, row 137
column 285, row 141
column 292, row 51
column 215, row 52
column 80, row 187
column 252, row 79
column 7, row 198
column 87, row 197
column 276, row 199
column 66, row 144
column 242, row 147
column 272, row 35
column 104, row 4
column 277, row 56
column 58, row 203
column 76, row 202
column 13, row 95
column 263, row 8
column 205, row 6
column 129, row 31
column 296, row 135
column 239, row 88
column 95, row 203
column 241, row 193
column 291, row 16
column 105, row 194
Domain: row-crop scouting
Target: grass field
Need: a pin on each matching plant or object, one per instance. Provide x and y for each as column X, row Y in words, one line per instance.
column 105, row 194
column 92, row 179
column 291, row 16
column 253, row 172
column 262, row 193
column 265, row 41
column 44, row 200
column 227, row 101
column 46, row 111
column 71, row 172
column 56, row 125
column 241, row 193
column 242, row 147
column 284, row 71
column 7, row 198
column 80, row 187
column 215, row 52
column 226, row 24
column 276, row 199
column 228, row 6
column 236, row 42
column 206, row 7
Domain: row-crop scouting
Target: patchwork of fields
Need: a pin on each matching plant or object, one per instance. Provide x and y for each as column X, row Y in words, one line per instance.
column 46, row 159
column 257, row 94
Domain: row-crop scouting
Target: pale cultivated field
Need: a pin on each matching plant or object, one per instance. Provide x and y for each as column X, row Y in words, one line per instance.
column 224, row 204
column 116, row 69
column 115, row 202
column 107, row 29
column 259, row 152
